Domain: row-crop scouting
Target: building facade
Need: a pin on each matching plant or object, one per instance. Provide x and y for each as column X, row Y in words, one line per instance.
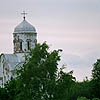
column 24, row 38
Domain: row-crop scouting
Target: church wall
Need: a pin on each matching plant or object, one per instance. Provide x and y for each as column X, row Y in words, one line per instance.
column 2, row 60
column 1, row 76
column 4, row 71
column 24, row 37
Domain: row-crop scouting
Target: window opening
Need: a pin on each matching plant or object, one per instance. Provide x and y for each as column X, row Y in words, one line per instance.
column 28, row 45
column 20, row 45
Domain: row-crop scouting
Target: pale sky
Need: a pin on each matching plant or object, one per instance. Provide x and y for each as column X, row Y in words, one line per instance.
column 72, row 25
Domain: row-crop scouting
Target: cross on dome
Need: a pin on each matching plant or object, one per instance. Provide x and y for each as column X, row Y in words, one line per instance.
column 24, row 14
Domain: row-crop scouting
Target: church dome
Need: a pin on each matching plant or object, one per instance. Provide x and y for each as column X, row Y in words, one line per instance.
column 24, row 27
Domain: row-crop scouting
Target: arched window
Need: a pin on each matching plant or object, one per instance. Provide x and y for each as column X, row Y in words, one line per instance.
column 28, row 44
column 20, row 45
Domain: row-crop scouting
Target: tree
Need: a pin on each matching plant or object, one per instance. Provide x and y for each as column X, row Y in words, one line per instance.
column 39, row 78
column 96, row 79
column 82, row 98
column 3, row 94
column 96, row 71
column 11, row 89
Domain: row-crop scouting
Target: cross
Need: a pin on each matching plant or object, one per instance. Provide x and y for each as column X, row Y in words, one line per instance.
column 24, row 14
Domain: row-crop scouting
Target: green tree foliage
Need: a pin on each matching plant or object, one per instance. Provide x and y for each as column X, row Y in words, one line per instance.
column 81, row 89
column 82, row 98
column 11, row 90
column 96, row 79
column 3, row 94
column 64, row 83
column 95, row 99
column 96, row 71
column 39, row 78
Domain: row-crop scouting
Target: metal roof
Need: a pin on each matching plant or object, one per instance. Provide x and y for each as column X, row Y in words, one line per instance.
column 11, row 57
column 14, row 60
column 24, row 27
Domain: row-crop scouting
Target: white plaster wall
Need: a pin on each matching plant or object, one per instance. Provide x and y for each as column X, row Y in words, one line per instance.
column 3, row 66
column 24, row 37
column 1, row 69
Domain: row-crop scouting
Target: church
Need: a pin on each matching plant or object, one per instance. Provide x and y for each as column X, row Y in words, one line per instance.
column 24, row 38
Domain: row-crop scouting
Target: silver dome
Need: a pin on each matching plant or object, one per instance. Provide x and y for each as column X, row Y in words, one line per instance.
column 24, row 27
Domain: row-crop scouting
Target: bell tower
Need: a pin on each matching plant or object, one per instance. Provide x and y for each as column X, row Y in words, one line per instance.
column 25, row 36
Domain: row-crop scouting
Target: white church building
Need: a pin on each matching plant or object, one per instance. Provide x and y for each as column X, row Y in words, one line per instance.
column 24, row 38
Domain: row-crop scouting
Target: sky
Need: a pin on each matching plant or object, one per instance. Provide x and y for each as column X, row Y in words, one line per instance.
column 70, row 25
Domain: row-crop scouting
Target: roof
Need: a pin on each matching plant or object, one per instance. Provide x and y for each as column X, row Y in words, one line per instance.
column 14, row 60
column 24, row 27
column 11, row 57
